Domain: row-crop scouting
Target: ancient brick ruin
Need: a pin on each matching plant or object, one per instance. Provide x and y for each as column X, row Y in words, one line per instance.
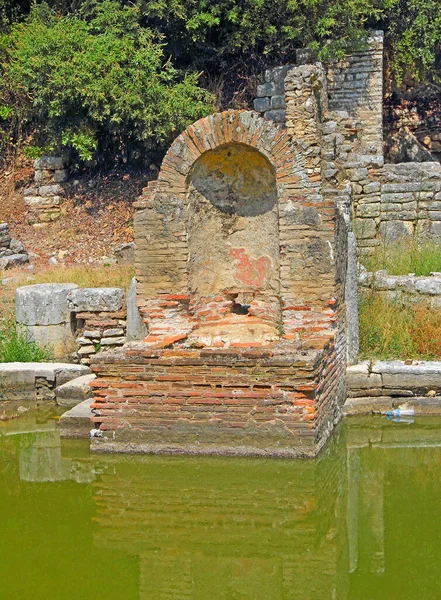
column 241, row 258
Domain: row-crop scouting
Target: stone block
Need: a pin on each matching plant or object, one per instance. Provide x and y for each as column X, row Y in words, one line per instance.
column 357, row 174
column 86, row 350
column 277, row 102
column 372, row 188
column 428, row 285
column 262, row 104
column 329, row 127
column 125, row 254
column 269, row 89
column 5, row 236
column 136, row 328
column 22, row 376
column 365, row 228
column 359, row 378
column 278, row 116
column 13, row 260
column 351, row 297
column 30, row 191
column 42, row 201
column 95, row 299
column 419, row 375
column 50, row 190
column 43, row 304
column 392, row 231
column 113, row 341
column 60, row 175
column 16, row 247
column 369, row 210
column 53, row 163
column 113, row 332
column 59, row 338
column 75, row 391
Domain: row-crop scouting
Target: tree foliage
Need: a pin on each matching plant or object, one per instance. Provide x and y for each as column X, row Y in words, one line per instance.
column 103, row 76
column 96, row 82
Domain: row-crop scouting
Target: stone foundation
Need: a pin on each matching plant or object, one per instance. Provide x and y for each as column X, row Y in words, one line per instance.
column 380, row 386
column 404, row 288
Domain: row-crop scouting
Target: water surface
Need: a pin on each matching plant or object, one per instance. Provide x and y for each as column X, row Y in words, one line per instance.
column 362, row 521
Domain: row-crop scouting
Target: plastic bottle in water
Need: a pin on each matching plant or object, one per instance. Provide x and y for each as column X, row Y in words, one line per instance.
column 401, row 412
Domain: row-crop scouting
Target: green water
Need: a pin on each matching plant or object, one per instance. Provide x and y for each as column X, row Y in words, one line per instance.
column 363, row 521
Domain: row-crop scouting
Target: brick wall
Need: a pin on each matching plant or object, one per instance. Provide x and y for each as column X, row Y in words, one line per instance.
column 250, row 401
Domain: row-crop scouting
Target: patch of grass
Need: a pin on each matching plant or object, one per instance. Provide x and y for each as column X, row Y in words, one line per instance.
column 87, row 277
column 15, row 347
column 406, row 257
column 398, row 329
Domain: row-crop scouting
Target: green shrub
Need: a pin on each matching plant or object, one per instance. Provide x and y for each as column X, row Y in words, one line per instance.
column 96, row 83
column 406, row 257
column 15, row 347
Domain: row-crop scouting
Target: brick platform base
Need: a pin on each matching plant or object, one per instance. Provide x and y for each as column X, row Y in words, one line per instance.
column 244, row 401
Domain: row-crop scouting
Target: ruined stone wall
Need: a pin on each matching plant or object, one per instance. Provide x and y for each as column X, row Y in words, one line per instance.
column 355, row 84
column 379, row 386
column 241, row 251
column 388, row 202
column 398, row 202
column 43, row 199
column 99, row 320
column 407, row 288
column 306, row 229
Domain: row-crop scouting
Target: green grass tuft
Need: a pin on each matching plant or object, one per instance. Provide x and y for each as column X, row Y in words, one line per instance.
column 15, row 347
column 406, row 257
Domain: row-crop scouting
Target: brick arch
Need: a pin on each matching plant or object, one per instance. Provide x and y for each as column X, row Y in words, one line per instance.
column 231, row 126
column 306, row 226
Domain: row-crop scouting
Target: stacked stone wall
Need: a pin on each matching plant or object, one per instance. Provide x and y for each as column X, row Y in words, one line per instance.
column 12, row 251
column 407, row 288
column 270, row 100
column 380, row 386
column 99, row 320
column 398, row 202
column 43, row 199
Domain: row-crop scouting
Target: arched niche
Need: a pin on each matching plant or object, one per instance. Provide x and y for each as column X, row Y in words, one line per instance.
column 233, row 241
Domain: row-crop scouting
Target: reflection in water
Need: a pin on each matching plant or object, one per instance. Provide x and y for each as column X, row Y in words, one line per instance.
column 359, row 522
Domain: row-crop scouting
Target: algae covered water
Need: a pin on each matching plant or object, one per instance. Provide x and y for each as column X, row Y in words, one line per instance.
column 362, row 521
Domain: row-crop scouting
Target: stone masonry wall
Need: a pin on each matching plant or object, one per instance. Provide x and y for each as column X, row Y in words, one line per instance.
column 399, row 201
column 379, row 386
column 388, row 202
column 355, row 84
column 44, row 197
column 99, row 319
column 172, row 394
column 408, row 288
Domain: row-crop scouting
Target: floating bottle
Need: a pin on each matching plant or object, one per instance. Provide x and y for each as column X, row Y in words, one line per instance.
column 401, row 412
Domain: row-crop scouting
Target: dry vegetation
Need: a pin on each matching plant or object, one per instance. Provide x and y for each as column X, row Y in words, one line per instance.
column 398, row 330
column 97, row 215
